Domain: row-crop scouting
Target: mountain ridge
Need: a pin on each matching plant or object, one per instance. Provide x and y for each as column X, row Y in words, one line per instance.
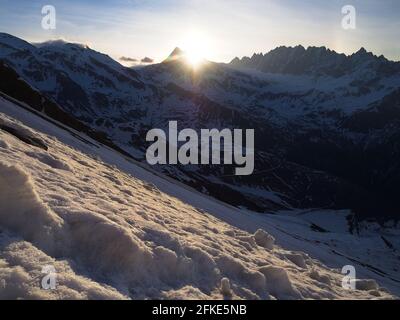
column 314, row 60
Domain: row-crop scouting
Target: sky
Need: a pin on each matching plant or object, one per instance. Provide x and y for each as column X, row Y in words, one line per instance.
column 218, row 29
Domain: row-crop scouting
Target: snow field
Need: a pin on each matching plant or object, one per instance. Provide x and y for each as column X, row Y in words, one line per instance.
column 112, row 236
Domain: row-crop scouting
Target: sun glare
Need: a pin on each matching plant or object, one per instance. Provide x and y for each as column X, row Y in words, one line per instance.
column 196, row 47
column 193, row 58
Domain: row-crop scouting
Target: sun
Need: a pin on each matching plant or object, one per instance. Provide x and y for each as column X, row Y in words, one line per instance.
column 196, row 46
column 194, row 58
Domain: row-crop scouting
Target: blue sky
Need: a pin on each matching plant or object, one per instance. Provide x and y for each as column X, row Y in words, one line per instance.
column 223, row 29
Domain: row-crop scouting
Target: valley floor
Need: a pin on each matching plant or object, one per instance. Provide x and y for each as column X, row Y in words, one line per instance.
column 114, row 230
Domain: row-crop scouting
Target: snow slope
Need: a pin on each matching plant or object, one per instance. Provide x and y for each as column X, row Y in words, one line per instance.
column 115, row 230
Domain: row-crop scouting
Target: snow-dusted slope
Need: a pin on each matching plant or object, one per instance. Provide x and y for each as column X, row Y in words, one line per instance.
column 114, row 230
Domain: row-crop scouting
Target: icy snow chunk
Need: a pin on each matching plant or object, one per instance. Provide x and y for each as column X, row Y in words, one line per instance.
column 247, row 241
column 226, row 287
column 3, row 144
column 230, row 265
column 323, row 278
column 375, row 293
column 236, row 270
column 264, row 239
column 366, row 285
column 278, row 282
column 230, row 233
column 204, row 263
column 297, row 259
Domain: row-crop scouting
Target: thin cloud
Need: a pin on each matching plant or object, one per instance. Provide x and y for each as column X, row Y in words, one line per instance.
column 147, row 60
column 128, row 59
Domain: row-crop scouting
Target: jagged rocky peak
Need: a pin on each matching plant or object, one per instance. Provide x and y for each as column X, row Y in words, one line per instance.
column 311, row 61
column 363, row 54
column 361, row 51
column 235, row 61
column 176, row 54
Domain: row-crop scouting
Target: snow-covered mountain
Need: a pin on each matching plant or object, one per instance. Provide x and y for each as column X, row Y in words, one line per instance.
column 83, row 81
column 327, row 125
column 319, row 61
column 112, row 229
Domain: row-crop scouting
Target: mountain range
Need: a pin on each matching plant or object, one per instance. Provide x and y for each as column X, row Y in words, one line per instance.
column 327, row 125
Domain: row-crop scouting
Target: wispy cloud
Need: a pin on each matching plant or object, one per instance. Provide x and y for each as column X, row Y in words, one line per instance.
column 128, row 59
column 147, row 60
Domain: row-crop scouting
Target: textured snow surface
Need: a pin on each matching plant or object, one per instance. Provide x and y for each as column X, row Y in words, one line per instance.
column 112, row 235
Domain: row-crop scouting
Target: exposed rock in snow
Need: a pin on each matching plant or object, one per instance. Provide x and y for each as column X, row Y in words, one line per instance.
column 264, row 239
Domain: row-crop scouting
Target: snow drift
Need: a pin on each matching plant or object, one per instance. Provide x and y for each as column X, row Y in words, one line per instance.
column 22, row 211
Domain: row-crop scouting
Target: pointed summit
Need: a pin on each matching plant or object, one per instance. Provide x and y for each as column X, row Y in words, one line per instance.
column 361, row 51
column 362, row 55
column 176, row 54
